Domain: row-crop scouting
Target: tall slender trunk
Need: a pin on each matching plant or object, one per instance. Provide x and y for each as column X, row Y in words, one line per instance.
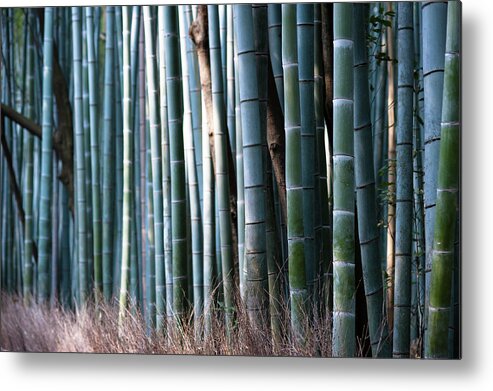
column 94, row 136
column 447, row 194
column 44, row 233
column 177, row 161
column 404, row 182
column 292, row 126
column 222, row 168
column 255, row 263
column 155, row 139
column 79, row 157
column 343, row 338
column 391, row 164
column 108, row 159
column 193, row 188
column 127, row 212
column 365, row 192
column 434, row 20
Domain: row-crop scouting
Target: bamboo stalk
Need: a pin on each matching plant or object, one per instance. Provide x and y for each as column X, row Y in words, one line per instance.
column 404, row 182
column 108, row 159
column 292, row 126
column 447, row 194
column 44, row 238
column 343, row 339
column 365, row 192
column 127, row 212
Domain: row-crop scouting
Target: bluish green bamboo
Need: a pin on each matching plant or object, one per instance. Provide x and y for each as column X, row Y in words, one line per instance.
column 96, row 195
column 222, row 43
column 118, row 205
column 80, row 184
column 343, row 337
column 108, row 158
column 230, row 81
column 209, row 222
column 240, row 188
column 195, row 99
column 418, row 263
column 322, row 249
column 166, row 168
column 436, row 345
column 127, row 214
column 434, row 20
column 150, row 241
column 28, row 175
column 255, row 262
column 305, row 35
column 292, row 125
column 177, row 161
column 44, row 239
column 193, row 189
column 155, row 139
column 404, row 182
column 87, row 152
column 273, row 245
column 275, row 33
column 221, row 166
column 365, row 191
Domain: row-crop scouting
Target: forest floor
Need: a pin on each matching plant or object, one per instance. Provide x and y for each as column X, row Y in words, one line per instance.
column 37, row 328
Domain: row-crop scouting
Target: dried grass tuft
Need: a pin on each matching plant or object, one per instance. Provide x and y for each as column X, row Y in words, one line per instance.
column 38, row 328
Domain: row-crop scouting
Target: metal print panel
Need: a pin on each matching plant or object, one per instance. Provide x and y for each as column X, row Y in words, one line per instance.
column 267, row 180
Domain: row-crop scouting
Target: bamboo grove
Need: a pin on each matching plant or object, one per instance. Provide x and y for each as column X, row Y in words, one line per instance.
column 297, row 162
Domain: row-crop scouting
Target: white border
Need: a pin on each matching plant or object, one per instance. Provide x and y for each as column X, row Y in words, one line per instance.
column 473, row 372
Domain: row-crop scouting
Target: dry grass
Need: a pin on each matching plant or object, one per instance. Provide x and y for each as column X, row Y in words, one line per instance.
column 95, row 330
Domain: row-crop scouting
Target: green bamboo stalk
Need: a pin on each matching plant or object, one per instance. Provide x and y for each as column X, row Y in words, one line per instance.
column 365, row 191
column 118, row 205
column 404, row 182
column 305, row 33
column 65, row 297
column 275, row 33
column 108, row 158
column 96, row 203
column 292, row 126
column 147, row 259
column 230, row 81
column 434, row 18
column 155, row 139
column 222, row 43
column 166, row 168
column 138, row 266
column 221, row 166
column 96, row 31
column 55, row 218
column 195, row 99
column 209, row 224
column 28, row 175
column 391, row 170
column 193, row 189
column 79, row 157
column 87, row 152
column 44, row 232
column 273, row 247
column 418, row 285
column 447, row 193
column 127, row 168
column 343, row 338
column 150, row 240
column 118, row 44
column 322, row 221
column 177, row 163
column 255, row 262
column 240, row 189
